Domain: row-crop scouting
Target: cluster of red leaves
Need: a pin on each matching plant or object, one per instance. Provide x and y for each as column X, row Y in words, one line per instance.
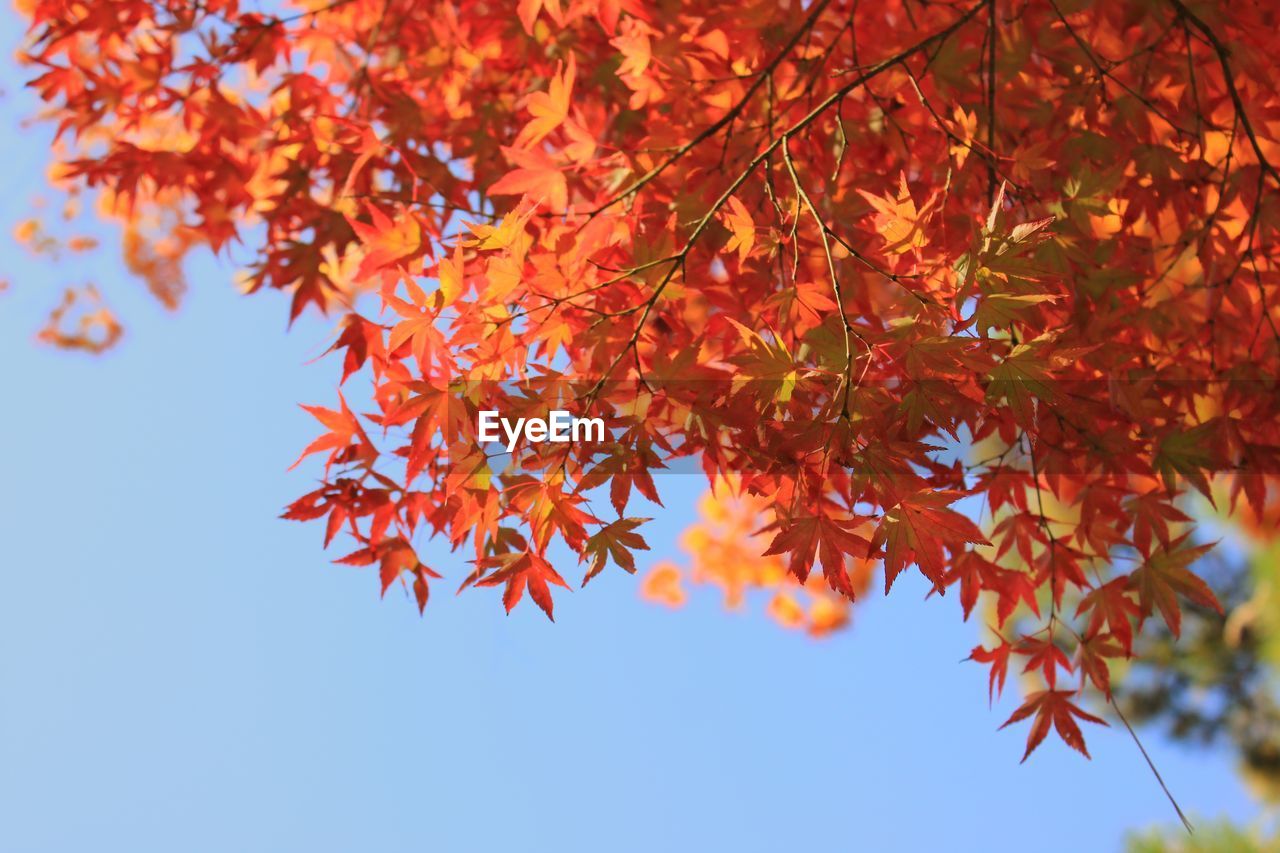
column 828, row 248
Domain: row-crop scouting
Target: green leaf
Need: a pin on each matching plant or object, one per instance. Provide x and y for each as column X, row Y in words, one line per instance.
column 998, row 310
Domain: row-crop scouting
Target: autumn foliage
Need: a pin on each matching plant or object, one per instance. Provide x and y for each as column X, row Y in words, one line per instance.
column 978, row 290
column 728, row 551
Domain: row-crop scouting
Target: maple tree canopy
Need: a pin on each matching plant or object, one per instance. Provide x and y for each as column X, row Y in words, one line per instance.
column 856, row 261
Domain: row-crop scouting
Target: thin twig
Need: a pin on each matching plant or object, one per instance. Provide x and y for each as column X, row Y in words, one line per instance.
column 1151, row 764
column 1228, row 77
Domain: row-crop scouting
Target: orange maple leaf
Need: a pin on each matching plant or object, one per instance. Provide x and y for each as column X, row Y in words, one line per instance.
column 549, row 109
column 897, row 220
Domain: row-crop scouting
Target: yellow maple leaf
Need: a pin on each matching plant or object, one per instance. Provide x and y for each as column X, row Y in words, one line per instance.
column 738, row 220
column 549, row 109
column 450, row 275
column 897, row 220
column 966, row 128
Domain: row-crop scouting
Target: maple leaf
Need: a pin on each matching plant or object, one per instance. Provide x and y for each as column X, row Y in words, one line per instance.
column 1024, row 231
column 386, row 241
column 1164, row 576
column 897, row 220
column 391, row 566
column 427, row 407
column 450, row 274
column 538, row 177
column 397, row 558
column 421, row 587
column 1092, row 654
column 623, row 473
column 1111, row 606
column 366, row 556
column 1152, row 513
column 741, row 228
column 1060, row 565
column 809, row 303
column 1190, row 454
column 1022, row 529
column 508, row 234
column 966, row 130
column 1014, row 588
column 549, row 109
column 974, row 573
column 998, row 660
column 528, row 10
column 520, row 571
column 1022, row 378
column 919, row 530
column 418, row 325
column 343, row 426
column 1044, row 654
column 767, row 369
column 807, row 536
column 1053, row 707
column 549, row 508
column 358, row 338
column 615, row 541
column 999, row 310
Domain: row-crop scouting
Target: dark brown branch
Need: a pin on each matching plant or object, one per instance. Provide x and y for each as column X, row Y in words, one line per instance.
column 848, row 330
column 1228, row 78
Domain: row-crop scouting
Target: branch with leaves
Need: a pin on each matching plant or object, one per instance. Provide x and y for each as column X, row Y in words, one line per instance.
column 698, row 224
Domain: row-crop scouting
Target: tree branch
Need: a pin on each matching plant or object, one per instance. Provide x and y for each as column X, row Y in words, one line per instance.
column 1228, row 78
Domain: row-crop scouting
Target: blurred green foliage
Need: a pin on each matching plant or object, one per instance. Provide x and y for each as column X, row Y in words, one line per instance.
column 1214, row 838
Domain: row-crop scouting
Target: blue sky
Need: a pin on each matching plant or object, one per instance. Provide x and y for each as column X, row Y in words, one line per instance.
column 181, row 670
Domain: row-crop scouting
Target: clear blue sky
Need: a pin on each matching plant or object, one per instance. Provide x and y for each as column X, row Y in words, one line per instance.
column 183, row 671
